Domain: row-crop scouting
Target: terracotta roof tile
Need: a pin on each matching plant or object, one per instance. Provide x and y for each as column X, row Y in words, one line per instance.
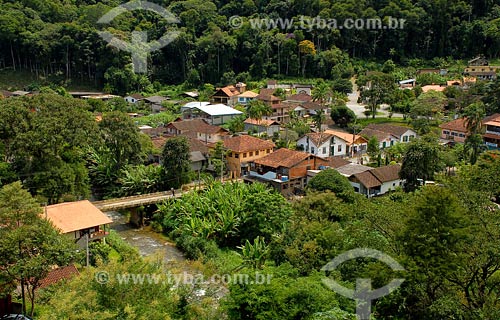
column 283, row 158
column 267, row 97
column 337, row 162
column 455, row 125
column 346, row 136
column 261, row 122
column 246, row 143
column 59, row 274
column 300, row 97
column 78, row 215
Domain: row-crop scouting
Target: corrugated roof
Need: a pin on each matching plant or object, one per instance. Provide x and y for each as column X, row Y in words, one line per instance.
column 78, row 215
column 196, row 156
column 218, row 110
column 246, row 143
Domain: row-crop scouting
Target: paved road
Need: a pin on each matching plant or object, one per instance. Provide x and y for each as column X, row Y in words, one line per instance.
column 360, row 108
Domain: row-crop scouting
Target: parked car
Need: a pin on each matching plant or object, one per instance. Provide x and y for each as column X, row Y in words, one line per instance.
column 15, row 317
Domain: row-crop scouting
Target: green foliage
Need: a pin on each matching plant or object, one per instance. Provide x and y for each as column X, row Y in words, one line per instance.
column 342, row 116
column 379, row 90
column 333, row 181
column 286, row 296
column 228, row 214
column 176, row 162
column 373, row 149
column 420, row 162
column 29, row 244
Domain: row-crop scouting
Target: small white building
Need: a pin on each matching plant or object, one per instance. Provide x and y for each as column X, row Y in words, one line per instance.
column 134, row 98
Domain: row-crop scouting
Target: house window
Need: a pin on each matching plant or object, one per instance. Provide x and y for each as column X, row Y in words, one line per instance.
column 405, row 139
column 268, row 150
column 244, row 155
column 251, row 154
column 339, row 148
column 209, row 136
column 312, row 150
column 324, row 150
column 461, row 135
column 257, row 152
column 236, row 155
column 384, row 144
column 446, row 132
column 332, row 140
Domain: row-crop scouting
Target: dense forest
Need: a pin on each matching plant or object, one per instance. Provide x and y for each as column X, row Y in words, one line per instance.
column 58, row 39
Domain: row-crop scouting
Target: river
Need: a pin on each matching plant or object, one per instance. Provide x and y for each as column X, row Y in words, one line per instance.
column 145, row 240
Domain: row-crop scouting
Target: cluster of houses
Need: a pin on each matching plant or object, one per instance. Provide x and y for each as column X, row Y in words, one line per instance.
column 456, row 131
column 478, row 69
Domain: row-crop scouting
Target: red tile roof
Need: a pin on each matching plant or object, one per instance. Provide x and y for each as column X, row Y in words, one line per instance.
column 59, row 274
column 347, row 137
column 261, row 122
column 283, row 158
column 78, row 215
column 300, row 97
column 455, row 125
column 267, row 97
column 337, row 162
column 229, row 91
column 246, row 143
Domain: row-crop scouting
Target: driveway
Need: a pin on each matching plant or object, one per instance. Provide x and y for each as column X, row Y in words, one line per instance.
column 358, row 108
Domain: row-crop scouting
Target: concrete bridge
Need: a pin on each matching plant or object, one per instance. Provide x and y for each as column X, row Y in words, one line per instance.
column 134, row 201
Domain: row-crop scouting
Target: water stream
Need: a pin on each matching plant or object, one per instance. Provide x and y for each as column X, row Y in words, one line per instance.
column 145, row 240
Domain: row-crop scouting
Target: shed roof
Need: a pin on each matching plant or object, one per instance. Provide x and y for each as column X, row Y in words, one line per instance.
column 78, row 215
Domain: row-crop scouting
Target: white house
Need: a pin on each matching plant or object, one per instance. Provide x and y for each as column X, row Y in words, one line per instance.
column 134, row 98
column 244, row 98
column 332, row 143
column 377, row 181
column 214, row 114
column 402, row 134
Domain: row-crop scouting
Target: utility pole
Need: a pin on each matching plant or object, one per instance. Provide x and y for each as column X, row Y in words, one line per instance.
column 87, row 247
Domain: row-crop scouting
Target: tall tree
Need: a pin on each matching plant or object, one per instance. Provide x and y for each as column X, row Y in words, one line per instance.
column 378, row 90
column 420, row 162
column 176, row 162
column 121, row 138
column 29, row 245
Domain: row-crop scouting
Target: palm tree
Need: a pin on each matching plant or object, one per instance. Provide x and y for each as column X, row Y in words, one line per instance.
column 321, row 93
column 257, row 109
column 474, row 115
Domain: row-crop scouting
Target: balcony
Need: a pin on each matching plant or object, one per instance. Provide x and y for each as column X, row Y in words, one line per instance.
column 98, row 235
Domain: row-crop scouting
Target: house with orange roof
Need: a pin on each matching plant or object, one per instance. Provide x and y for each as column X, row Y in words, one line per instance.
column 261, row 126
column 226, row 94
column 244, row 149
column 244, row 98
column 81, row 221
column 285, row 169
column 454, row 130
